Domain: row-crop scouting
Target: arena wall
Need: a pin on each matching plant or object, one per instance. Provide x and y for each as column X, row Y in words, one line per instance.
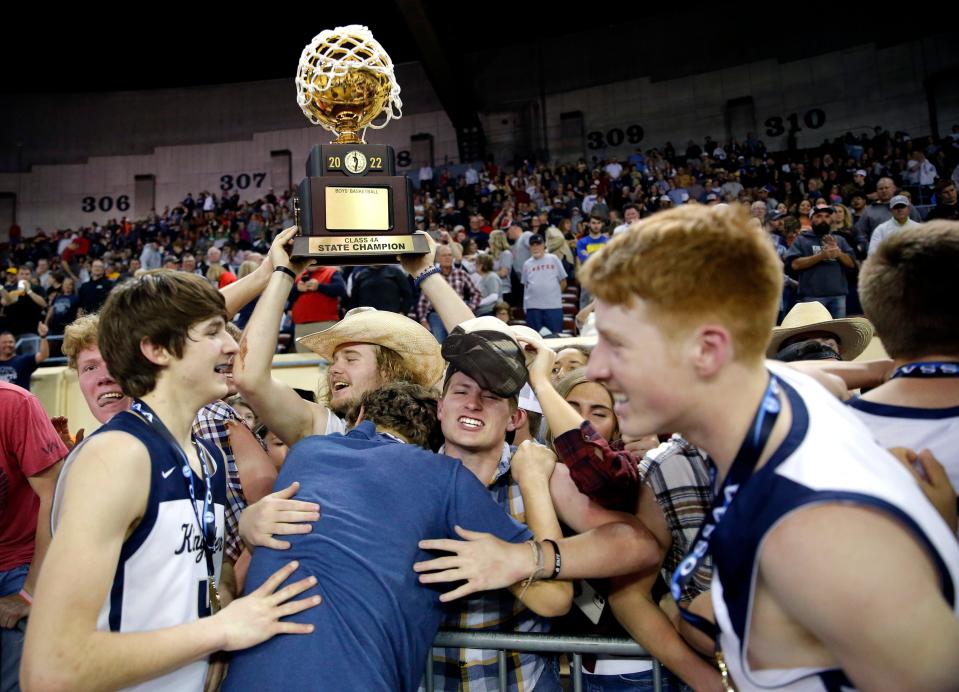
column 901, row 87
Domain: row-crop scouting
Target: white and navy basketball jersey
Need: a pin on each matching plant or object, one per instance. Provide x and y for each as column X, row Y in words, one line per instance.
column 827, row 456
column 161, row 576
column 935, row 429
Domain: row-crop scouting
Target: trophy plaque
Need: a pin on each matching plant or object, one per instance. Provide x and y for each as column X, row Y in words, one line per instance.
column 352, row 208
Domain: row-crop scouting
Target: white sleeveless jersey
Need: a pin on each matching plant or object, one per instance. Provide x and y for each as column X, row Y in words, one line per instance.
column 161, row 576
column 935, row 429
column 828, row 456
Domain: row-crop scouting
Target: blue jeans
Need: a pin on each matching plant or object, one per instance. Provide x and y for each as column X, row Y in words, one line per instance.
column 630, row 681
column 835, row 304
column 436, row 326
column 549, row 679
column 552, row 319
column 11, row 641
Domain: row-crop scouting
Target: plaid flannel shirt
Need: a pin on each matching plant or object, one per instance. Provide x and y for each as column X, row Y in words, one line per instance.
column 462, row 284
column 676, row 472
column 475, row 670
column 604, row 472
column 210, row 424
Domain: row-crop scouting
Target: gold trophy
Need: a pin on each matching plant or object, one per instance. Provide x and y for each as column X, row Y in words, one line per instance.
column 352, row 208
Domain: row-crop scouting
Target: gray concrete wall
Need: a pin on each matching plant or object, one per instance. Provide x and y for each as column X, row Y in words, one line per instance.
column 169, row 134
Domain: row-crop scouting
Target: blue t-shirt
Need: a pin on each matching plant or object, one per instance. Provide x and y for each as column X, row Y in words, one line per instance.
column 18, row 369
column 376, row 623
column 587, row 245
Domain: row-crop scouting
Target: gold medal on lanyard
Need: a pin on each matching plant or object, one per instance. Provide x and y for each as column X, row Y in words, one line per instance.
column 214, row 596
column 726, row 681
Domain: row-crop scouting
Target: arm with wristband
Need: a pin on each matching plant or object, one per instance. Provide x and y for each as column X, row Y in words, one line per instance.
column 285, row 413
column 445, row 301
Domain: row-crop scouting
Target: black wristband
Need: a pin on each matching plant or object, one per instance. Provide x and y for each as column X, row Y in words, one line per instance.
column 286, row 270
column 557, row 558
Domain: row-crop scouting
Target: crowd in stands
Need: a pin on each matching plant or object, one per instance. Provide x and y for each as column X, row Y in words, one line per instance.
column 451, row 446
column 495, row 210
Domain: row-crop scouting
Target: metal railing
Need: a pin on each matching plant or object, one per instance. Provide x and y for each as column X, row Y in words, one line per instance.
column 502, row 642
column 56, row 360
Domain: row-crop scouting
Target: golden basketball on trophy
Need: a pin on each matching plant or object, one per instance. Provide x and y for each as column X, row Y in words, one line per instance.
column 352, row 208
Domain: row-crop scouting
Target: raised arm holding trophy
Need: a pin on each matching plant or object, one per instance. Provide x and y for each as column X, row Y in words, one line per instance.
column 352, row 208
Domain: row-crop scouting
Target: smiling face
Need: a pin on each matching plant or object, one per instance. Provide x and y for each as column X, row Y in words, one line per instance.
column 640, row 367
column 207, row 362
column 595, row 404
column 353, row 372
column 473, row 419
column 8, row 346
column 101, row 392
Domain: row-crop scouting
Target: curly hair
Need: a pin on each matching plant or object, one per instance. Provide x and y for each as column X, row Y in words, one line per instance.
column 404, row 408
column 81, row 334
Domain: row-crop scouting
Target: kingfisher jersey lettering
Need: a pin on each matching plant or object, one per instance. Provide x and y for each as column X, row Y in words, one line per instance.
column 827, row 457
column 161, row 576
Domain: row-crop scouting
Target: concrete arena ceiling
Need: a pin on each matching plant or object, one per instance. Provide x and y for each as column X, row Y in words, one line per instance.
column 80, row 50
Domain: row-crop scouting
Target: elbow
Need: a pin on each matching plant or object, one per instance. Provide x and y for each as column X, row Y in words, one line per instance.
column 639, row 549
column 557, row 604
column 45, row 681
column 44, row 676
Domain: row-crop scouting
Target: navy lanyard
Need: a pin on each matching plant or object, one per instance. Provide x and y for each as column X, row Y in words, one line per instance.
column 207, row 524
column 740, row 471
column 929, row 370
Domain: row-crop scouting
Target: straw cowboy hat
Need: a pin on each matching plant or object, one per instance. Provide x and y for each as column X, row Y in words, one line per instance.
column 413, row 343
column 853, row 333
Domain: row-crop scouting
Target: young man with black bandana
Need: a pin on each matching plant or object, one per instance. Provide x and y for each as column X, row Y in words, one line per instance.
column 487, row 370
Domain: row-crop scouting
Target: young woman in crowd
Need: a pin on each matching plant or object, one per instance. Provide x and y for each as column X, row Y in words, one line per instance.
column 502, row 260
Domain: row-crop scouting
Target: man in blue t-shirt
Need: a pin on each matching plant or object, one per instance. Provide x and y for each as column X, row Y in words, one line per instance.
column 380, row 493
column 17, row 369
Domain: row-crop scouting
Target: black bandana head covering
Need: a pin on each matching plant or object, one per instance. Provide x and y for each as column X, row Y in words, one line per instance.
column 807, row 350
column 493, row 359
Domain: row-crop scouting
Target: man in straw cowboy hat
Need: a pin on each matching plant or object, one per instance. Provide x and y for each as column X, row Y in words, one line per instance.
column 487, row 371
column 809, row 332
column 366, row 349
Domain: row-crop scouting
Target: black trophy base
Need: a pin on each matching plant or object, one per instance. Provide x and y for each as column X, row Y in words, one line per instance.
column 360, row 249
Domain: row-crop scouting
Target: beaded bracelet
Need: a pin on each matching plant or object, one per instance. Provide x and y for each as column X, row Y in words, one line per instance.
column 425, row 275
column 537, row 570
